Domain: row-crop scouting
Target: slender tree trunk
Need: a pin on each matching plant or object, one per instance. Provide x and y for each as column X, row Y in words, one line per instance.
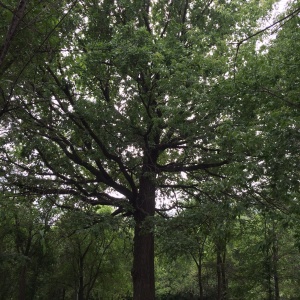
column 63, row 294
column 268, row 261
column 22, row 283
column 199, row 268
column 143, row 254
column 275, row 264
column 276, row 285
column 219, row 276
column 81, row 282
column 221, row 271
column 200, row 281
column 25, row 253
column 270, row 291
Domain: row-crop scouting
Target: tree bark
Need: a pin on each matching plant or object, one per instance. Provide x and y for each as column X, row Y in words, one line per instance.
column 219, row 276
column 224, row 277
column 275, row 258
column 81, row 280
column 143, row 254
column 19, row 13
column 199, row 268
column 201, row 295
column 22, row 283
column 221, row 271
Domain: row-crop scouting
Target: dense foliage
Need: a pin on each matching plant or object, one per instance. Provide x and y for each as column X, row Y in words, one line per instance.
column 171, row 113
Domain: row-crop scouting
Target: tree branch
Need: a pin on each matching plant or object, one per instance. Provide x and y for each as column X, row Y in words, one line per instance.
column 239, row 43
column 180, row 167
column 18, row 15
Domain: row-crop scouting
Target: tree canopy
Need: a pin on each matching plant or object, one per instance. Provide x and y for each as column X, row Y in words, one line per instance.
column 140, row 105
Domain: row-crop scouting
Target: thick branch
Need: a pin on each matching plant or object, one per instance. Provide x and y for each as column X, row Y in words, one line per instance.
column 168, row 19
column 92, row 199
column 184, row 13
column 146, row 15
column 82, row 124
column 101, row 175
column 18, row 15
column 179, row 167
column 109, row 155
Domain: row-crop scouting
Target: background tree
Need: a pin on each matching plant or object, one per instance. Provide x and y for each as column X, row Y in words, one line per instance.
column 49, row 254
column 200, row 234
column 24, row 258
column 93, row 257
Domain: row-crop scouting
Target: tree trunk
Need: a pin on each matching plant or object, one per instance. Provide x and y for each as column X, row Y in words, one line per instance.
column 275, row 264
column 143, row 265
column 219, row 276
column 199, row 268
column 22, row 283
column 268, row 261
column 81, row 281
column 276, row 285
column 201, row 295
column 63, row 294
column 221, row 271
column 143, row 254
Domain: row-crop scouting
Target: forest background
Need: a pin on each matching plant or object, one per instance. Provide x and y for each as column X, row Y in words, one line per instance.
column 149, row 150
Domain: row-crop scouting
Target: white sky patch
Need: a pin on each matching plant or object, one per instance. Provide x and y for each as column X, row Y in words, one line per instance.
column 183, row 175
column 278, row 8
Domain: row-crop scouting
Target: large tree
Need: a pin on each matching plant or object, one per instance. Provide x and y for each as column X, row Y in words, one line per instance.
column 119, row 103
